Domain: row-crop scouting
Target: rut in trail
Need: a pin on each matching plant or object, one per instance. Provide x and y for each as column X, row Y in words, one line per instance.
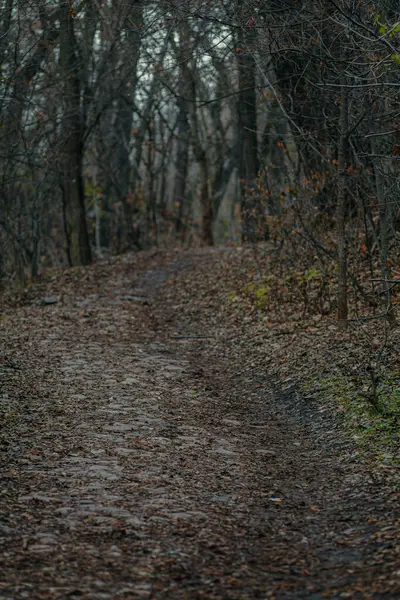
column 148, row 464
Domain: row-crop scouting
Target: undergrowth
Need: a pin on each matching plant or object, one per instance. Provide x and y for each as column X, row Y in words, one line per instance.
column 375, row 428
column 291, row 292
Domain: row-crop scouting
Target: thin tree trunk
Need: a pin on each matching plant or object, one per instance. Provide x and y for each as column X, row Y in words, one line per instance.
column 5, row 27
column 78, row 246
column 97, row 211
column 184, row 56
column 162, row 179
column 182, row 160
column 341, row 209
column 124, row 120
column 385, row 214
column 206, row 204
column 247, row 120
column 151, row 192
column 36, row 236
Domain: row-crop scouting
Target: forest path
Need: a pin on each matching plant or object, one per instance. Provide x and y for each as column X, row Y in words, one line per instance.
column 150, row 462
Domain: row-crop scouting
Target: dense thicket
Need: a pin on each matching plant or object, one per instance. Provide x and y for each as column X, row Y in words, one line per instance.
column 128, row 123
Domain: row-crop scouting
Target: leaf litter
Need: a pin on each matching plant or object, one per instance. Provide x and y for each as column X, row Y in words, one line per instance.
column 166, row 448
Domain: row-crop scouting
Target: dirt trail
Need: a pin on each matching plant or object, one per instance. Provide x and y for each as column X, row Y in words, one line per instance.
column 150, row 462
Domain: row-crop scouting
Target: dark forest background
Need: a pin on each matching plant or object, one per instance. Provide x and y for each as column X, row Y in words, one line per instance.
column 128, row 124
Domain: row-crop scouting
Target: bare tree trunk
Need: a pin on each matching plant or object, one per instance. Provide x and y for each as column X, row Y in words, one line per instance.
column 151, row 195
column 36, row 235
column 247, row 120
column 162, row 179
column 78, row 246
column 184, row 54
column 5, row 27
column 224, row 160
column 124, row 119
column 97, row 211
column 385, row 215
column 182, row 161
column 206, row 205
column 341, row 209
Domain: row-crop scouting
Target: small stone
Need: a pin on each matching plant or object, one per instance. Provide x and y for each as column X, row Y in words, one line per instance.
column 140, row 299
column 82, row 304
column 121, row 427
column 224, row 452
column 40, row 548
column 129, row 381
column 231, row 422
column 50, row 300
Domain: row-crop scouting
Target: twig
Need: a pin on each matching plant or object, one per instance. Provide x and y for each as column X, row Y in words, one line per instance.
column 394, row 281
column 191, row 337
column 379, row 316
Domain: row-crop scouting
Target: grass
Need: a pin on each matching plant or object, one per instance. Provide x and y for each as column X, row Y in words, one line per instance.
column 375, row 428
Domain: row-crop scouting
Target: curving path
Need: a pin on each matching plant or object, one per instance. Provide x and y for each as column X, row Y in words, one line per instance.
column 146, row 463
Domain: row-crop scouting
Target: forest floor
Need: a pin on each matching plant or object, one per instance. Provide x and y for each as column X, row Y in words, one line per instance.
column 161, row 439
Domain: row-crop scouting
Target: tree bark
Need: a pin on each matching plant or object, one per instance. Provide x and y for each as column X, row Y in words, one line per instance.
column 341, row 208
column 207, row 216
column 184, row 56
column 78, row 245
column 6, row 16
column 247, row 119
column 182, row 161
column 124, row 119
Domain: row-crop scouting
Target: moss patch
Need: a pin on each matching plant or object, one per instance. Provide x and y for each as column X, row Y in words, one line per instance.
column 375, row 427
